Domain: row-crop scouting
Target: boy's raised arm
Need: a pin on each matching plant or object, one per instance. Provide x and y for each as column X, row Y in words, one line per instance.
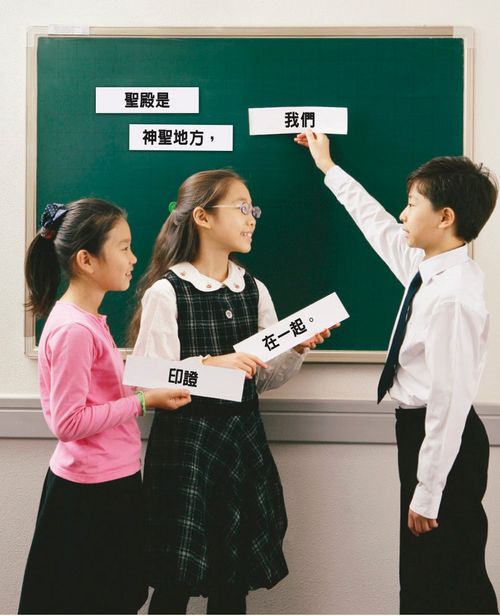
column 319, row 146
column 380, row 228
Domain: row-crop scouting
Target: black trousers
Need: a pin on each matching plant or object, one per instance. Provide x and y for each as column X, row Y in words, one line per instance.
column 87, row 551
column 443, row 571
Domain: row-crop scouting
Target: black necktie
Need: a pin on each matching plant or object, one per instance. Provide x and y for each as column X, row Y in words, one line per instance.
column 391, row 363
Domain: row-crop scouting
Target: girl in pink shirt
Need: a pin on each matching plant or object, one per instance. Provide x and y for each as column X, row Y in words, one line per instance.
column 86, row 555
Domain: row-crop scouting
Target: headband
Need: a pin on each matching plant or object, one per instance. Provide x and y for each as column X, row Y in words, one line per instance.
column 51, row 219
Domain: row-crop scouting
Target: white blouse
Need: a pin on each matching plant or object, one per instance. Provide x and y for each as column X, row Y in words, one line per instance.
column 158, row 334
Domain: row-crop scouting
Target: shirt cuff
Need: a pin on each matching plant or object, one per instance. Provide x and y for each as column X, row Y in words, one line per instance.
column 293, row 360
column 303, row 354
column 335, row 178
column 424, row 503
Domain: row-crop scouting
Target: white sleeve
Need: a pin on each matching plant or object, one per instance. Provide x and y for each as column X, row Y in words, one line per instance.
column 380, row 228
column 158, row 333
column 454, row 351
column 282, row 368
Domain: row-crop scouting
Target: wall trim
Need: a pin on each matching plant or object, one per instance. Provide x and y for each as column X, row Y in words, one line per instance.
column 286, row 420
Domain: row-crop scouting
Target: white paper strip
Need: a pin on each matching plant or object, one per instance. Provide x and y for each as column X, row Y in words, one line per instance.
column 284, row 120
column 296, row 328
column 147, row 100
column 200, row 380
column 175, row 137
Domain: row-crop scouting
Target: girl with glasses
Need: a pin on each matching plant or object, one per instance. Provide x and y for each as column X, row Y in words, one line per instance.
column 215, row 511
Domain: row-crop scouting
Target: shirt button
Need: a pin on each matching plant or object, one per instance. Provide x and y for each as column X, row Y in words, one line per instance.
column 229, row 314
column 236, row 286
column 209, row 286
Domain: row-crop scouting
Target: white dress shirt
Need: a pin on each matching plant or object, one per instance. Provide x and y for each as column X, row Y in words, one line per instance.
column 444, row 349
column 158, row 334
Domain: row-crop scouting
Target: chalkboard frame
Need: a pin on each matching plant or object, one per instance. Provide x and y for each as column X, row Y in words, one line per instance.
column 36, row 33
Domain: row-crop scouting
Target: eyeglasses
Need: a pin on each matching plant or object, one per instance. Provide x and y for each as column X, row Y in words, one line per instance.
column 245, row 208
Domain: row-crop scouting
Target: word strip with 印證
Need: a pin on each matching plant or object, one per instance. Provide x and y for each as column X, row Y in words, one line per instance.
column 147, row 100
column 295, row 329
column 285, row 120
column 205, row 137
column 190, row 374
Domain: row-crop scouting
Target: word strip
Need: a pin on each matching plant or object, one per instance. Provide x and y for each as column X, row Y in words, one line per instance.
column 147, row 100
column 198, row 379
column 296, row 328
column 176, row 137
column 285, row 120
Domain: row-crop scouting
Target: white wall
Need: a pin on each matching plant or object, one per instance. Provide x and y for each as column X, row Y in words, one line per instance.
column 342, row 499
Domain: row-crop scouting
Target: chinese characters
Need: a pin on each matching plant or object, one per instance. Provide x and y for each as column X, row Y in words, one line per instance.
column 147, row 100
column 186, row 378
column 297, row 327
column 306, row 119
column 165, row 136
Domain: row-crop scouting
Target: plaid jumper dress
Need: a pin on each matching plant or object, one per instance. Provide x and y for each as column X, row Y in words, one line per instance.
column 214, row 501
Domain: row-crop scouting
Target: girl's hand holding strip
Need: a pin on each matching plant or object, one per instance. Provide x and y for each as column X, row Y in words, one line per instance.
column 313, row 342
column 239, row 361
column 168, row 399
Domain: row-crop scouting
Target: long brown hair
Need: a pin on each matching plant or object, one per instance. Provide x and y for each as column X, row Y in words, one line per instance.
column 178, row 239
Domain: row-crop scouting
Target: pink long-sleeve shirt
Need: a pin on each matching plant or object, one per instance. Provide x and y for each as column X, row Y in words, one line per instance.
column 84, row 402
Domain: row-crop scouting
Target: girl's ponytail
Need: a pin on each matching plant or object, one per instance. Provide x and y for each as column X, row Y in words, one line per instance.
column 42, row 275
column 42, row 269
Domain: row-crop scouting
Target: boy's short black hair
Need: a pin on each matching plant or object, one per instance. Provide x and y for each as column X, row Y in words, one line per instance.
column 456, row 182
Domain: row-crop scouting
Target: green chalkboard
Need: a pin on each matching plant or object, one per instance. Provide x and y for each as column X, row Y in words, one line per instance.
column 405, row 103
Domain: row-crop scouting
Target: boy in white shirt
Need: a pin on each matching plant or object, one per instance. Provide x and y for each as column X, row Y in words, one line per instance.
column 433, row 369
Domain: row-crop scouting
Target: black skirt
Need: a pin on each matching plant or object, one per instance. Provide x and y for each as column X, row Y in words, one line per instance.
column 87, row 550
column 215, row 514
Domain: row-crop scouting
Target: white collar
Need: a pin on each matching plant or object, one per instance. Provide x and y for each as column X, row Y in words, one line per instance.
column 235, row 278
column 439, row 263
